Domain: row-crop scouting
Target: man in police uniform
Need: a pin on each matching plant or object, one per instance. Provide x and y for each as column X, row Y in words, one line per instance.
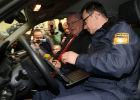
column 113, row 59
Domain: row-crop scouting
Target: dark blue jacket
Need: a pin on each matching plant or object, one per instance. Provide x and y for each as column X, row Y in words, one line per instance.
column 114, row 60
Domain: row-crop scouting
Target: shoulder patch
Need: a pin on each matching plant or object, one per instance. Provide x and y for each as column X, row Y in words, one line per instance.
column 121, row 38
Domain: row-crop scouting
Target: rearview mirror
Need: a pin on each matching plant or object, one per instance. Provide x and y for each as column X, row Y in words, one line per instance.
column 17, row 16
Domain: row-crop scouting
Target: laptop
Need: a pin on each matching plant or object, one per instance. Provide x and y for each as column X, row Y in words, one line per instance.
column 72, row 77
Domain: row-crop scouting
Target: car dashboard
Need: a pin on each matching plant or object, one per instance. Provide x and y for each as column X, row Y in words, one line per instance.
column 15, row 81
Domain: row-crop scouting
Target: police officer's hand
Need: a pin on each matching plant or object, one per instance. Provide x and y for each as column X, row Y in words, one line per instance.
column 69, row 57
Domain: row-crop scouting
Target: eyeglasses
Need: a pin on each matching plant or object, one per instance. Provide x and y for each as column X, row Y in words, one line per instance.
column 84, row 20
column 73, row 22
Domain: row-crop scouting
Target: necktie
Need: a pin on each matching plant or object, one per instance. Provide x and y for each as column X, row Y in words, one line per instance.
column 59, row 58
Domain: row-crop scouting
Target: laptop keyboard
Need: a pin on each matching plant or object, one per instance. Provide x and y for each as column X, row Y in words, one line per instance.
column 76, row 76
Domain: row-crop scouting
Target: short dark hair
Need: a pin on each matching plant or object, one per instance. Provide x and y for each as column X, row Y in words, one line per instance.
column 36, row 30
column 78, row 14
column 94, row 6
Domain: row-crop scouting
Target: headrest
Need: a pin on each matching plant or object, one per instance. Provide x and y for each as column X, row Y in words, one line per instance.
column 130, row 11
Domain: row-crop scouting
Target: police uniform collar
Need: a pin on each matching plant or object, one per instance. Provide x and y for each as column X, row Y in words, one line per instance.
column 111, row 22
column 106, row 27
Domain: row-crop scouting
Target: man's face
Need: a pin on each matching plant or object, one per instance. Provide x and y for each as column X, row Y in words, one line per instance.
column 55, row 49
column 66, row 29
column 89, row 22
column 37, row 36
column 75, row 24
column 51, row 25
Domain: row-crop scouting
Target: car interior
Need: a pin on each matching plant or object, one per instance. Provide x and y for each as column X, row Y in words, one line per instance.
column 23, row 71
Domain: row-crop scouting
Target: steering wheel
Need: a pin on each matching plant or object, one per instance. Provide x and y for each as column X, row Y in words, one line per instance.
column 4, row 70
column 3, row 48
column 40, row 64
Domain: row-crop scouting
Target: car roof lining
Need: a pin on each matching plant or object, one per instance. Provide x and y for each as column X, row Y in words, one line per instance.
column 10, row 7
column 54, row 9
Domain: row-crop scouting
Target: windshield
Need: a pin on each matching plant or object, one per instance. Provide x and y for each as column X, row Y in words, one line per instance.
column 11, row 24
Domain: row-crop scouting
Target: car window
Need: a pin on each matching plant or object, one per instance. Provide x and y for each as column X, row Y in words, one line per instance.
column 10, row 25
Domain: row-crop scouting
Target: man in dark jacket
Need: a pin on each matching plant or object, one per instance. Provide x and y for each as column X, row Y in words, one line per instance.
column 113, row 58
column 79, row 45
column 78, row 41
column 40, row 48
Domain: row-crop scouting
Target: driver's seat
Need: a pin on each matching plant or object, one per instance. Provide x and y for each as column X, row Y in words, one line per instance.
column 130, row 12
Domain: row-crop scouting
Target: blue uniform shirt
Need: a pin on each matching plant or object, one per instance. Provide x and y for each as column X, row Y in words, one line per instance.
column 113, row 60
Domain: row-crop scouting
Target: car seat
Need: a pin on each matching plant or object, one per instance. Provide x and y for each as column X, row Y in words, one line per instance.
column 130, row 12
